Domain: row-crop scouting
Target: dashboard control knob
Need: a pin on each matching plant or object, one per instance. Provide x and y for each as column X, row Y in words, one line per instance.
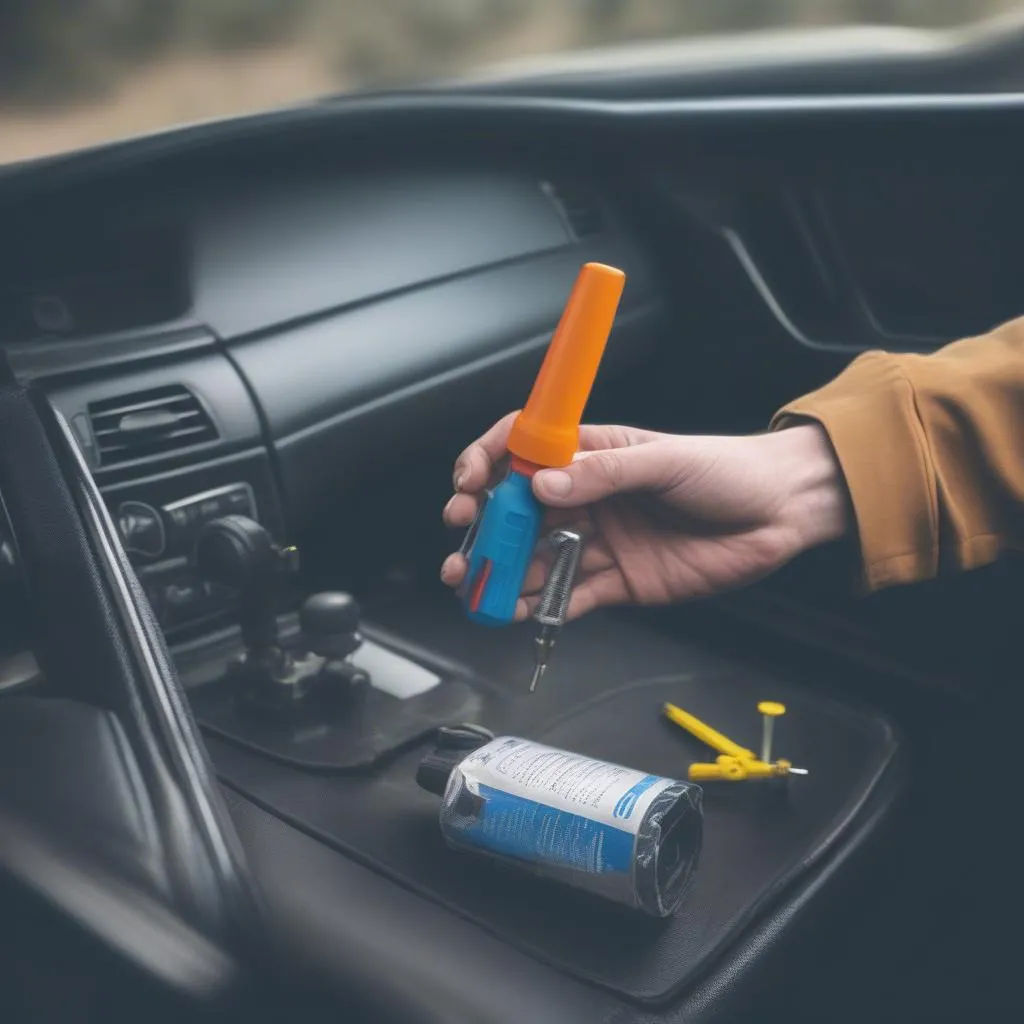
column 142, row 529
column 330, row 624
column 237, row 553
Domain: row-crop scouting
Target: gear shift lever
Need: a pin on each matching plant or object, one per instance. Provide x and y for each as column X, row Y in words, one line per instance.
column 305, row 696
column 236, row 552
column 330, row 632
column 330, row 624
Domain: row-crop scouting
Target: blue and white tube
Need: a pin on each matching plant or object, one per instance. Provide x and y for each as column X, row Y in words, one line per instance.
column 622, row 834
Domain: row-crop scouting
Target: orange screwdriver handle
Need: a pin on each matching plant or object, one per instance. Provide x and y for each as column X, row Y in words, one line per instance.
column 546, row 432
column 500, row 545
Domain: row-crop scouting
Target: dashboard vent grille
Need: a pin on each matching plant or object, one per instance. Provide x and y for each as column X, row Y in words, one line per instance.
column 579, row 208
column 148, row 424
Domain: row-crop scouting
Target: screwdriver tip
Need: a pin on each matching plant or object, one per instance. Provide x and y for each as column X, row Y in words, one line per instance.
column 538, row 673
column 799, row 771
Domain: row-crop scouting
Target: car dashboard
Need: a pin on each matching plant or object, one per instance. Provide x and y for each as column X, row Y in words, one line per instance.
column 217, row 360
column 302, row 319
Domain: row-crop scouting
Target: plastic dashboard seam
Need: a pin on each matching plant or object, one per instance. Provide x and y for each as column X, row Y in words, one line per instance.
column 271, row 330
column 627, row 319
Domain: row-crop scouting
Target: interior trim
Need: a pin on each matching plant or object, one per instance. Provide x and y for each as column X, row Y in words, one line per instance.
column 180, row 736
column 510, row 353
column 427, row 111
column 124, row 918
column 33, row 360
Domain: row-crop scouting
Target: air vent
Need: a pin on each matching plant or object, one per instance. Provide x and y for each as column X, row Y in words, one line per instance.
column 579, row 208
column 148, row 424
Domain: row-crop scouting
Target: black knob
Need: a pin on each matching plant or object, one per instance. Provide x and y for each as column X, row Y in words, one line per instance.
column 330, row 612
column 330, row 624
column 142, row 529
column 235, row 552
column 452, row 745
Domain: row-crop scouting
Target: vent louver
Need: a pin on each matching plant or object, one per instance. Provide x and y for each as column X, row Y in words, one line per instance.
column 148, row 424
column 579, row 208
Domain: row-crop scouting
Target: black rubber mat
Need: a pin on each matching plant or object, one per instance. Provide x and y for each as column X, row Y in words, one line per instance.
column 759, row 840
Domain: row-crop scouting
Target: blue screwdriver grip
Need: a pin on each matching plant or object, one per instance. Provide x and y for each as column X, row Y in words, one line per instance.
column 501, row 551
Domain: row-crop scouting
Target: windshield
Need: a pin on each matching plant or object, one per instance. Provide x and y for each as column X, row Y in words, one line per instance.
column 74, row 74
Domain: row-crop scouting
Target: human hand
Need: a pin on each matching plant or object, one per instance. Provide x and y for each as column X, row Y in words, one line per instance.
column 668, row 517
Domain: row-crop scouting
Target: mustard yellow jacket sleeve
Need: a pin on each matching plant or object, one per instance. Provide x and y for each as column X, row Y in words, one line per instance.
column 932, row 449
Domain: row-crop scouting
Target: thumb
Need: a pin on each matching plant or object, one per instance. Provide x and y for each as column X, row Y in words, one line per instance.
column 598, row 474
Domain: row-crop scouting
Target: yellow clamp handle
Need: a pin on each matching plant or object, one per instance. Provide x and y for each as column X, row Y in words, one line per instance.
column 706, row 734
column 734, row 763
column 735, row 769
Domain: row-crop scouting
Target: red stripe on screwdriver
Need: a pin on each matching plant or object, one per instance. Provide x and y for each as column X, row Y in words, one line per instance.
column 477, row 593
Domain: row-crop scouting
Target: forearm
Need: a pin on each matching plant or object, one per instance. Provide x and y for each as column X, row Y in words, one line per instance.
column 814, row 501
column 932, row 452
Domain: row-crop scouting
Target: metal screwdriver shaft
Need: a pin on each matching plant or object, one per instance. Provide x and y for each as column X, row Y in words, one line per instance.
column 554, row 599
column 539, row 668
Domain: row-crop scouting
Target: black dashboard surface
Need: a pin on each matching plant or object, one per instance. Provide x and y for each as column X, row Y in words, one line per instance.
column 335, row 283
column 345, row 238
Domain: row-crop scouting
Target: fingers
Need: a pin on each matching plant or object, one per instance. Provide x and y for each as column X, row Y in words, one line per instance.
column 473, row 468
column 600, row 474
column 460, row 510
column 595, row 559
column 612, row 458
column 453, row 571
column 537, row 574
column 596, row 436
column 600, row 590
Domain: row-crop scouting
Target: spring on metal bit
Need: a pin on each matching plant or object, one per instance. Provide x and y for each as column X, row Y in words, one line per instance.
column 554, row 599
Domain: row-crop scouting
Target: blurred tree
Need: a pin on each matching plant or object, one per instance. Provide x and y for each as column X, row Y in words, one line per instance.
column 237, row 24
column 53, row 50
column 387, row 42
column 923, row 13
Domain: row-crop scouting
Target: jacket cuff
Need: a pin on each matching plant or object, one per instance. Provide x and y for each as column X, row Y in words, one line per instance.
column 870, row 416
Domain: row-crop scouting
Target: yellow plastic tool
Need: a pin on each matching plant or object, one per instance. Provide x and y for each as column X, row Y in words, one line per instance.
column 734, row 763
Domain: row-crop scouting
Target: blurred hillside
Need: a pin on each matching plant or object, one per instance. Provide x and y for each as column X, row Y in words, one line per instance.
column 78, row 71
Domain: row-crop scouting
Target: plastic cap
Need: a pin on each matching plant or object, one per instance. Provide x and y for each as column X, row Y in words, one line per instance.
column 546, row 432
column 771, row 708
column 453, row 743
column 433, row 771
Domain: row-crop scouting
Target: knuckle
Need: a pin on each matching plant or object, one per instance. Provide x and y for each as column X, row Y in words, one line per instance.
column 621, row 437
column 607, row 466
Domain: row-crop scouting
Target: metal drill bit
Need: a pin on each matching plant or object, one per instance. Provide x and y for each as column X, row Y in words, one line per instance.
column 766, row 739
column 554, row 598
column 538, row 674
column 769, row 710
